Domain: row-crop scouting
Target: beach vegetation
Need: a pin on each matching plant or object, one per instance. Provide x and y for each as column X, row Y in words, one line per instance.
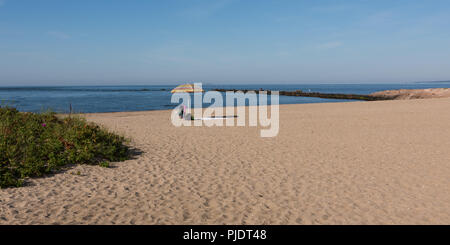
column 36, row 144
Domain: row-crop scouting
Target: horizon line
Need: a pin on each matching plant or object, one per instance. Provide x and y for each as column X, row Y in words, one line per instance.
column 221, row 83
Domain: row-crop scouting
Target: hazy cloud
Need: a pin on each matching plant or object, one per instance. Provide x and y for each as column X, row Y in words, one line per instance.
column 334, row 8
column 282, row 53
column 283, row 19
column 58, row 34
column 329, row 45
column 205, row 10
column 381, row 17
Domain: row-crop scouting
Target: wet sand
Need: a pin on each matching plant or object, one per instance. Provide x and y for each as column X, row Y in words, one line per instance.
column 384, row 162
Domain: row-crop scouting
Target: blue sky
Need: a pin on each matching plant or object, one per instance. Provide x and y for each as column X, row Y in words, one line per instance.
column 79, row 42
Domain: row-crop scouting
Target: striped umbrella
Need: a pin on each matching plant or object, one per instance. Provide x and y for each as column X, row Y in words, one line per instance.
column 187, row 88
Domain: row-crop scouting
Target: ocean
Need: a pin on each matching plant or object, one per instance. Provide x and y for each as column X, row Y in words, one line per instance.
column 93, row 99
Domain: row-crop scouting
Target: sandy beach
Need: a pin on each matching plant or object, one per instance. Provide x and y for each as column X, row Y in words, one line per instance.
column 384, row 162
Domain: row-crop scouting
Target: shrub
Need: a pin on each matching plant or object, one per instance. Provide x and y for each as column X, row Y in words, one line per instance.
column 36, row 144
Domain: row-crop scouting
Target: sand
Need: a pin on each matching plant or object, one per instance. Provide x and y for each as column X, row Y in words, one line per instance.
column 407, row 94
column 384, row 162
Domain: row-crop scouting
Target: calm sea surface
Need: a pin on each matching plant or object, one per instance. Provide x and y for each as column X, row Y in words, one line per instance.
column 87, row 99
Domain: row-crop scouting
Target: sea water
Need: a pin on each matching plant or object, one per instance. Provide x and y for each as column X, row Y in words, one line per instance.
column 90, row 99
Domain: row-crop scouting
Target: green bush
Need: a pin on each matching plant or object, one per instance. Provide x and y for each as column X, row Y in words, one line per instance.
column 35, row 144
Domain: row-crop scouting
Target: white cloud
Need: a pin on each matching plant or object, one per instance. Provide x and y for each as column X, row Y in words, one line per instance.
column 58, row 34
